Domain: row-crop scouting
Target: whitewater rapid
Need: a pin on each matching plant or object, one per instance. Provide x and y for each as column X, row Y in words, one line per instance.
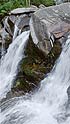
column 9, row 63
column 48, row 105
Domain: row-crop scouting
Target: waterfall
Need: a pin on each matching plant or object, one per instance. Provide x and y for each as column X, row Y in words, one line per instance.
column 9, row 63
column 48, row 105
column 16, row 32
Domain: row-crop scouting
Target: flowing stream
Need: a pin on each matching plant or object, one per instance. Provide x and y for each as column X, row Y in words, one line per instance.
column 9, row 63
column 47, row 105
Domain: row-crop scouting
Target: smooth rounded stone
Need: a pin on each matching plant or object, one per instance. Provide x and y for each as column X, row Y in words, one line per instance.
column 24, row 10
column 49, row 24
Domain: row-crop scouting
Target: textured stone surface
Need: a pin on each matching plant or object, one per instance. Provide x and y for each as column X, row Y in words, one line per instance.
column 50, row 23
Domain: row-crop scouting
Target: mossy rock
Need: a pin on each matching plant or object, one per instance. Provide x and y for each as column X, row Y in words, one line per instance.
column 34, row 66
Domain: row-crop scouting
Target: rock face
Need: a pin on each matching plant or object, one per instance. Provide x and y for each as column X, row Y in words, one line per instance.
column 49, row 24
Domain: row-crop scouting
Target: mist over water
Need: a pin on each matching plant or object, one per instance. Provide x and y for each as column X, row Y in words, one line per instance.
column 48, row 105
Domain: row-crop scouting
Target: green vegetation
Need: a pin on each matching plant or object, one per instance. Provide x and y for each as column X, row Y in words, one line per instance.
column 45, row 2
column 8, row 5
column 34, row 66
column 5, row 7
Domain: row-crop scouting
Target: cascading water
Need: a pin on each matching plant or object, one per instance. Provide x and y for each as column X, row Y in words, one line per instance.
column 16, row 32
column 49, row 105
column 9, row 63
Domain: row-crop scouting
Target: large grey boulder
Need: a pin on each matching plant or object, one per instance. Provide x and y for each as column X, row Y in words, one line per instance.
column 50, row 24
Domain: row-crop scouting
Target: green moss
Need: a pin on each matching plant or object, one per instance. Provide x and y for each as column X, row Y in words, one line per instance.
column 5, row 7
column 35, row 65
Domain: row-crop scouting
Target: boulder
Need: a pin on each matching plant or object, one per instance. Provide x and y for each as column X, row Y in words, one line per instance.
column 24, row 10
column 39, row 34
column 49, row 24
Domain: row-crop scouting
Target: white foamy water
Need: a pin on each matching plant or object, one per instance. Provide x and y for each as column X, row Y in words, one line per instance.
column 9, row 64
column 17, row 32
column 48, row 105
